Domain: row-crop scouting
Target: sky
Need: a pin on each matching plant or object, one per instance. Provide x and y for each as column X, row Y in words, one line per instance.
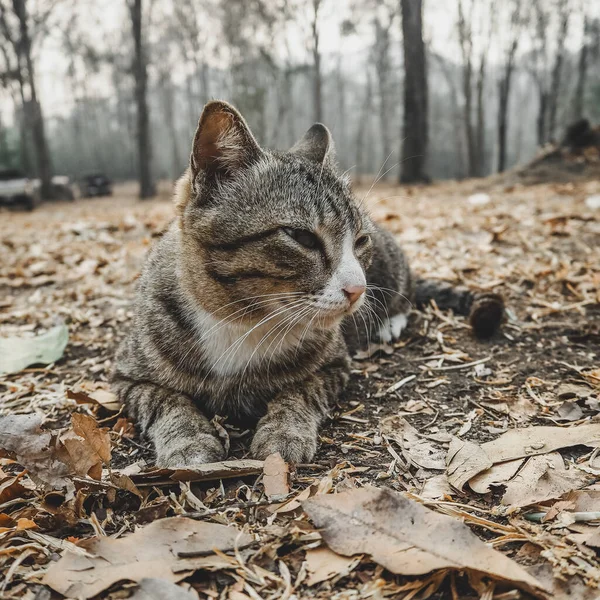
column 104, row 20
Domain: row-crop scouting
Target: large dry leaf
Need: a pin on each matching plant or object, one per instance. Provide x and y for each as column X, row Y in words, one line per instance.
column 33, row 448
column 467, row 459
column 416, row 449
column 17, row 353
column 276, row 477
column 167, row 549
column 496, row 475
column 406, row 538
column 542, row 478
column 159, row 589
column 323, row 564
column 208, row 472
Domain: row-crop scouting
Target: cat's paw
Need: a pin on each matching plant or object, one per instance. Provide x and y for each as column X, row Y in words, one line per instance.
column 190, row 454
column 391, row 329
column 293, row 446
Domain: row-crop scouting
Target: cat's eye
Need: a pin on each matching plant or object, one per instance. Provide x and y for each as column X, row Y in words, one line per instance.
column 303, row 237
column 362, row 241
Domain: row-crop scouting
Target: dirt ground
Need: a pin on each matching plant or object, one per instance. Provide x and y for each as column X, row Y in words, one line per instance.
column 539, row 246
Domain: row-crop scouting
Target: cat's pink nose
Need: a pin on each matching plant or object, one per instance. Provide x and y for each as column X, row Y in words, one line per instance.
column 354, row 292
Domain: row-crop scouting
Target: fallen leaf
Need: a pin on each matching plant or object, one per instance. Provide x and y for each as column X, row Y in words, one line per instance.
column 436, row 488
column 496, row 475
column 33, row 448
column 207, row 472
column 18, row 353
column 406, row 538
column 161, row 550
column 159, row 589
column 276, row 477
column 104, row 398
column 467, row 459
column 323, row 564
column 416, row 449
column 542, row 478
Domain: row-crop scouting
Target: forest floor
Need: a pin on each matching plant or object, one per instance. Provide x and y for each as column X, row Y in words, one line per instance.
column 427, row 419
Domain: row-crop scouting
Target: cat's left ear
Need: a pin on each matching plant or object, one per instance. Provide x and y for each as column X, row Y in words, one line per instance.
column 316, row 145
column 223, row 142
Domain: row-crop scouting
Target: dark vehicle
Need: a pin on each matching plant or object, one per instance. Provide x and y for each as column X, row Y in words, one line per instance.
column 17, row 189
column 96, row 185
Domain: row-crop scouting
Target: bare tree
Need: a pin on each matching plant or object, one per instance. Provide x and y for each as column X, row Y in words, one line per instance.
column 140, row 73
column 382, row 24
column 563, row 11
column 504, row 84
column 582, row 67
column 415, row 133
column 465, row 37
column 316, row 56
column 20, row 39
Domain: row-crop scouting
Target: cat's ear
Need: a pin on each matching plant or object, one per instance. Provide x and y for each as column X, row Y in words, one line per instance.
column 223, row 142
column 316, row 145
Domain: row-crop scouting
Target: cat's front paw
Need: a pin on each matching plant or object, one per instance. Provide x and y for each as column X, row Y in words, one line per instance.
column 293, row 446
column 190, row 454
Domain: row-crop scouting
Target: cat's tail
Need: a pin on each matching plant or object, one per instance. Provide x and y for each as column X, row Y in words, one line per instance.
column 484, row 309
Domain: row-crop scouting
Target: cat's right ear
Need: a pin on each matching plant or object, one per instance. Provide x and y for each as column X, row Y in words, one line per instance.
column 316, row 145
column 223, row 142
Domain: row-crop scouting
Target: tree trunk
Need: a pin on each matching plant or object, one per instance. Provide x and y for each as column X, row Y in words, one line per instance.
column 34, row 109
column 541, row 118
column 415, row 134
column 504, row 95
column 316, row 52
column 480, row 133
column 168, row 107
column 382, row 67
column 466, row 43
column 578, row 103
column 557, row 71
column 362, row 126
column 147, row 188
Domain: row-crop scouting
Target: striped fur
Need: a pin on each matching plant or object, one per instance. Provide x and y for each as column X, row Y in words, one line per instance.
column 240, row 309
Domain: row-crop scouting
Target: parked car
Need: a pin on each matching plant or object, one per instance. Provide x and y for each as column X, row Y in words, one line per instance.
column 95, row 185
column 17, row 189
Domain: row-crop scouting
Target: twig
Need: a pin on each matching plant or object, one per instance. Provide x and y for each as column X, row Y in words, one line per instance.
column 238, row 505
column 462, row 366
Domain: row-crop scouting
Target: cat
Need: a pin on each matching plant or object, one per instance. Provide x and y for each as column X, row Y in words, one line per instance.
column 247, row 305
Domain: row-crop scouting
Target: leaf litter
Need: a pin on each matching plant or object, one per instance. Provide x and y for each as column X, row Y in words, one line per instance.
column 408, row 407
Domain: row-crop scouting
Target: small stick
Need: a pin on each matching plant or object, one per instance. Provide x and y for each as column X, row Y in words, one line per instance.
column 238, row 505
column 461, row 366
column 538, row 517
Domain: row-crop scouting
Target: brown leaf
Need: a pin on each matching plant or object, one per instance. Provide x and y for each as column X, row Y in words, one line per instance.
column 104, row 398
column 276, row 477
column 406, row 538
column 159, row 589
column 33, row 448
column 467, row 459
column 416, row 449
column 150, row 552
column 496, row 475
column 323, row 564
column 207, row 472
column 542, row 478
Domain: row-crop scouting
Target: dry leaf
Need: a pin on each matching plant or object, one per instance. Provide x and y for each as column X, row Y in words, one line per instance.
column 151, row 552
column 159, row 589
column 416, row 449
column 406, row 538
column 207, row 472
column 496, row 475
column 323, row 564
column 33, row 448
column 436, row 487
column 467, row 459
column 276, row 477
column 542, row 478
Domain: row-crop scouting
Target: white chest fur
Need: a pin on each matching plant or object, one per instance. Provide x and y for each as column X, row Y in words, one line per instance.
column 232, row 348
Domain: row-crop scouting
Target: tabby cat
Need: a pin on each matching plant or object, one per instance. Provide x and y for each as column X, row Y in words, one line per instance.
column 245, row 306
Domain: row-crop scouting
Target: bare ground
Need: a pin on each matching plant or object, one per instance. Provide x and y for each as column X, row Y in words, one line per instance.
column 539, row 246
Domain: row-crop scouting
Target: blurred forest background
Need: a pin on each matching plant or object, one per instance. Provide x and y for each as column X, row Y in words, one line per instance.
column 431, row 88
